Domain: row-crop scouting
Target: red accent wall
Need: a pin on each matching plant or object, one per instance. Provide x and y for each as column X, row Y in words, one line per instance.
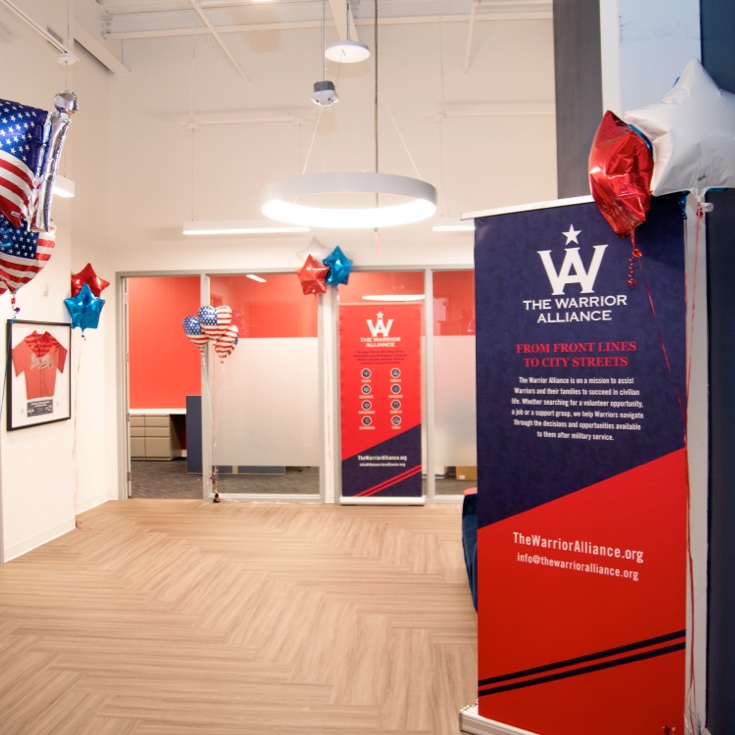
column 274, row 309
column 164, row 365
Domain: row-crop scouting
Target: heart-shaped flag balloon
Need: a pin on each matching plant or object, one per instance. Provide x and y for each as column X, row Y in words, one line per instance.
column 215, row 320
column 226, row 342
column 193, row 330
column 215, row 324
column 208, row 320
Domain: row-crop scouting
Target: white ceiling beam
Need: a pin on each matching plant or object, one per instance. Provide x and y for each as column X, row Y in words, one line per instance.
column 140, row 32
column 89, row 22
column 198, row 9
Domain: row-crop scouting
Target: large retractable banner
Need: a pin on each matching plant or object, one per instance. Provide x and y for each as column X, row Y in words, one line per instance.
column 582, row 477
column 380, row 400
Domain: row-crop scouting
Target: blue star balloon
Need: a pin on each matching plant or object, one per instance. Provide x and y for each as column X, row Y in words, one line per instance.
column 339, row 267
column 84, row 309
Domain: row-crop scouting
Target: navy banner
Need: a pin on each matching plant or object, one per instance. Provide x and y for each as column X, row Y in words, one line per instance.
column 380, row 400
column 581, row 471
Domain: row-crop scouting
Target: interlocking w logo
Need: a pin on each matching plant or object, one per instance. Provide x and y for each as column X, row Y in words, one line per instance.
column 572, row 270
column 379, row 328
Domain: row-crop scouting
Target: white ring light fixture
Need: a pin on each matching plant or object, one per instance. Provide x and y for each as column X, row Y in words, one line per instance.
column 279, row 200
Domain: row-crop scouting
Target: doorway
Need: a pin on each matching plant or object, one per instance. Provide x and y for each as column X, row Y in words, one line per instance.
column 258, row 406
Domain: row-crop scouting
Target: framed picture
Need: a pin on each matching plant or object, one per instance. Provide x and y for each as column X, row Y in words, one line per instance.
column 39, row 373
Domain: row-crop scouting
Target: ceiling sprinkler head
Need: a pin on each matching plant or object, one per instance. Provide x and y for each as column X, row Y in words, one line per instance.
column 324, row 94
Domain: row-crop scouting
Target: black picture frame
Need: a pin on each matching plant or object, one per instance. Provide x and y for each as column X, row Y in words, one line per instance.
column 38, row 373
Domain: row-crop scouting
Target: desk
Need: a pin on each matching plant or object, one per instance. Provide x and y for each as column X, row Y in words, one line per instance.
column 157, row 434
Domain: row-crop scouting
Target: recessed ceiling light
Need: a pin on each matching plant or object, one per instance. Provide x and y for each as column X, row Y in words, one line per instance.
column 239, row 228
column 395, row 297
column 452, row 224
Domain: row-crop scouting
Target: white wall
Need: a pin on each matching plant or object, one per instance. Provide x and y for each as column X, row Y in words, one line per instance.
column 140, row 173
column 49, row 473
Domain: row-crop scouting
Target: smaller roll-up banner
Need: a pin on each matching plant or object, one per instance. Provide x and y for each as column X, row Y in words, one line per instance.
column 380, row 400
column 582, row 473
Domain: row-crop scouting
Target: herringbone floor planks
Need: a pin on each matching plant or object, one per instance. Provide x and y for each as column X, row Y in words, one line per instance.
column 179, row 617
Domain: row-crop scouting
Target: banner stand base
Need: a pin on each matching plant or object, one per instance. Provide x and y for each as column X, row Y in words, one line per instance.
column 394, row 500
column 470, row 721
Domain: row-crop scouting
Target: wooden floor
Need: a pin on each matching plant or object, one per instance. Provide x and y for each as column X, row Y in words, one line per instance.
column 179, row 617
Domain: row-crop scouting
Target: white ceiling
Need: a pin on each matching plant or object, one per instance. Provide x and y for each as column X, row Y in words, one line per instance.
column 139, row 19
column 129, row 17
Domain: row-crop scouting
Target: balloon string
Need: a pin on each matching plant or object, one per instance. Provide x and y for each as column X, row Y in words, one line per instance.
column 691, row 695
column 206, row 396
column 635, row 254
column 692, row 691
column 698, row 227
column 663, row 346
column 77, row 369
column 219, row 381
column 692, row 713
column 6, row 372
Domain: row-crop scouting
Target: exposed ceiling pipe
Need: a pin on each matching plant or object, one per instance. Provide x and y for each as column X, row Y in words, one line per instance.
column 58, row 45
column 198, row 9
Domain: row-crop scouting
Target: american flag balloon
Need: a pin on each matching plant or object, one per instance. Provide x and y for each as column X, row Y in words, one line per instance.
column 23, row 254
column 224, row 315
column 209, row 316
column 226, row 342
column 193, row 330
column 22, row 143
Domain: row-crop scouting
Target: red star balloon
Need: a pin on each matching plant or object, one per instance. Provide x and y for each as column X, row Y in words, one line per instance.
column 620, row 170
column 90, row 278
column 313, row 276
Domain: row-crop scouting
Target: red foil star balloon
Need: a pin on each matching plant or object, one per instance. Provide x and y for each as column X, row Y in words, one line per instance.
column 90, row 278
column 620, row 171
column 313, row 276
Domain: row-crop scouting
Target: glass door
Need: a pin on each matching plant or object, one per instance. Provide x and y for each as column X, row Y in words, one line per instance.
column 265, row 395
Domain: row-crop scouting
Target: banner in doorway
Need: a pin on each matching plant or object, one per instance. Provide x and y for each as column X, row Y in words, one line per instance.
column 380, row 400
column 582, row 477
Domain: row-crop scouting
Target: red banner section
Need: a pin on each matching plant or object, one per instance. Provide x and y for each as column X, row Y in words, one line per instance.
column 574, row 575
column 380, row 399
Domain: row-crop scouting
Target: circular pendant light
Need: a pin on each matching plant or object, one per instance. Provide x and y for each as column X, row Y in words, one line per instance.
column 411, row 200
column 350, row 200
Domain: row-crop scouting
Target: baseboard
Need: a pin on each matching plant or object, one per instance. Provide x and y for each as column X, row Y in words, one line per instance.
column 346, row 500
column 90, row 503
column 470, row 721
column 16, row 550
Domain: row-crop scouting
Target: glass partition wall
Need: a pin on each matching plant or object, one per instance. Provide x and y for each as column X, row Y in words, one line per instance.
column 454, row 425
column 273, row 429
column 264, row 396
column 448, row 359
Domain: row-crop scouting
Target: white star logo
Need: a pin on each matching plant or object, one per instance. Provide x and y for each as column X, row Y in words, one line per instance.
column 571, row 235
